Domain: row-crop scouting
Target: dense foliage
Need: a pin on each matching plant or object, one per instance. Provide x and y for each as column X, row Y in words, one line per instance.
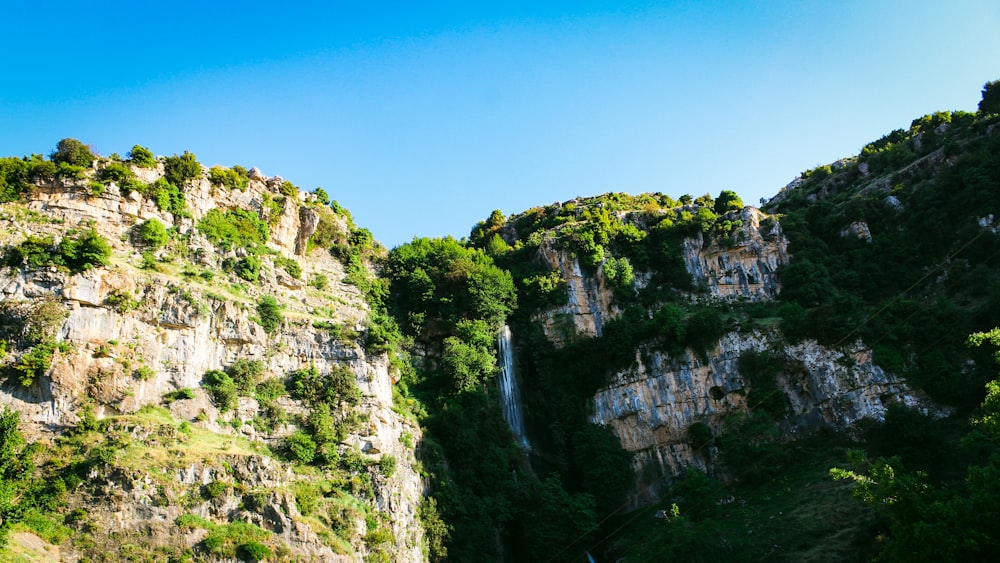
column 76, row 251
column 929, row 215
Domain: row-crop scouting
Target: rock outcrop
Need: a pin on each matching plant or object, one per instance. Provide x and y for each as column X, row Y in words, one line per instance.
column 652, row 405
column 133, row 336
column 746, row 265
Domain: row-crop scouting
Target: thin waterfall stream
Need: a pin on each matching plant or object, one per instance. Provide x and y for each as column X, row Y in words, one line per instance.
column 510, row 393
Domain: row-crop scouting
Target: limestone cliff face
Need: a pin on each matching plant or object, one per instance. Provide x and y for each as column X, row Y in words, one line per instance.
column 589, row 299
column 745, row 268
column 652, row 405
column 176, row 322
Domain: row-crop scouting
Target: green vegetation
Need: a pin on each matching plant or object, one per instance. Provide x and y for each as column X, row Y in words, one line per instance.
column 269, row 314
column 990, row 103
column 153, row 233
column 179, row 170
column 73, row 153
column 76, row 251
column 141, row 157
column 234, row 228
column 235, row 178
column 927, row 225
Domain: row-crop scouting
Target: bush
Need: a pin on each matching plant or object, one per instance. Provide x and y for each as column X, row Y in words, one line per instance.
column 253, row 551
column 234, row 228
column 269, row 311
column 142, row 157
column 619, row 273
column 118, row 173
column 168, row 197
column 319, row 281
column 246, row 373
column 222, row 388
column 991, row 98
column 153, row 233
column 85, row 251
column 179, row 170
column 301, row 447
column 235, row 178
column 321, row 196
column 290, row 266
column 249, row 268
column 76, row 251
column 36, row 361
column 73, row 153
column 214, row 489
column 728, row 201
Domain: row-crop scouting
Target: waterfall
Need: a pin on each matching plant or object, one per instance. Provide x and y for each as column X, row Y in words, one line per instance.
column 509, row 391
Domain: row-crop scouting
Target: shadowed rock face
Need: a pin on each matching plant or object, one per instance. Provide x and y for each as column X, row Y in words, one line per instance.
column 746, row 269
column 652, row 404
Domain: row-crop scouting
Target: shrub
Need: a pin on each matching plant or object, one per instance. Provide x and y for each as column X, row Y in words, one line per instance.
column 321, row 196
column 289, row 265
column 991, row 98
column 222, row 388
column 116, row 172
column 269, row 311
column 253, row 551
column 235, row 178
column 301, row 447
column 619, row 273
column 36, row 361
column 319, row 281
column 153, row 233
column 289, row 189
column 77, row 251
column 168, row 197
column 142, row 157
column 144, row 373
column 728, row 201
column 179, row 170
column 178, row 395
column 73, row 153
column 214, row 489
column 387, row 465
column 246, row 373
column 234, row 228
column 84, row 251
column 248, row 268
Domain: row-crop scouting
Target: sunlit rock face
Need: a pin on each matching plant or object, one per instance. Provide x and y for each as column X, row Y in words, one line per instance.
column 177, row 327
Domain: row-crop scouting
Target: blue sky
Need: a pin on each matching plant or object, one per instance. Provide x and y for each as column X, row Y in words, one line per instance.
column 421, row 118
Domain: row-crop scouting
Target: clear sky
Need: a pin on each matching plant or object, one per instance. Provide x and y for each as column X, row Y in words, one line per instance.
column 423, row 117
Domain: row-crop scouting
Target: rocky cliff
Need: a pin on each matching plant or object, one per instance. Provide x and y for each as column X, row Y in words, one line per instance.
column 135, row 339
column 652, row 404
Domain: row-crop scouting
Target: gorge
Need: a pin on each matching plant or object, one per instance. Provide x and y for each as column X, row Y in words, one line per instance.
column 212, row 364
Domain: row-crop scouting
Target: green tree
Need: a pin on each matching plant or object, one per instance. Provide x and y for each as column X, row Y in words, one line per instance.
column 72, row 152
column 141, row 157
column 321, row 196
column 991, row 98
column 179, row 170
column 153, row 233
column 85, row 251
column 728, row 201
column 269, row 311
